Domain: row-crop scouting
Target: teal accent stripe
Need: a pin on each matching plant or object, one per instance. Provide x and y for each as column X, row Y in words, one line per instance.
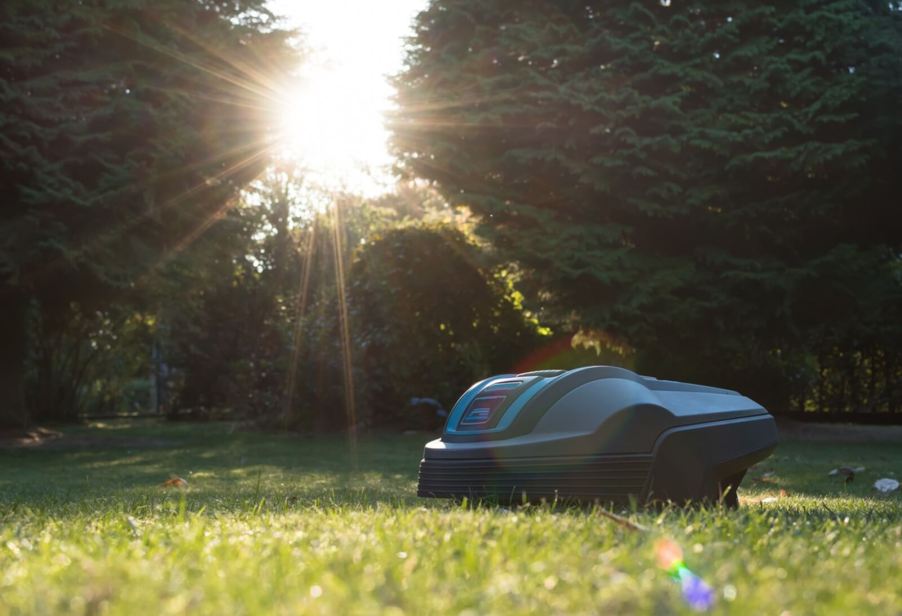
column 509, row 415
column 464, row 401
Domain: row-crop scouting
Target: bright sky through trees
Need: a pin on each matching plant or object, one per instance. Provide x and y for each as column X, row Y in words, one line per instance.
column 332, row 119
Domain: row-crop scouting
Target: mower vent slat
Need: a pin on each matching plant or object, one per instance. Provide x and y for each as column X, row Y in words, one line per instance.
column 612, row 461
column 558, row 469
column 527, row 484
column 639, row 472
column 504, row 488
column 614, row 478
column 539, row 479
column 516, row 495
column 590, row 480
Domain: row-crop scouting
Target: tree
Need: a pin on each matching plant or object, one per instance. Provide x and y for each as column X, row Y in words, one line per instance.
column 251, row 309
column 97, row 365
column 431, row 317
column 126, row 130
column 701, row 179
column 226, row 304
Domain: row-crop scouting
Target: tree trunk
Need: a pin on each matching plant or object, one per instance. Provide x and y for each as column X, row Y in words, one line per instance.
column 13, row 339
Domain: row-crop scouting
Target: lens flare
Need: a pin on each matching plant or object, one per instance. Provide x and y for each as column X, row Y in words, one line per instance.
column 696, row 592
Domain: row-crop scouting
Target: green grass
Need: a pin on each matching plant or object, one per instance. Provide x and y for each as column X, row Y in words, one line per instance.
column 281, row 524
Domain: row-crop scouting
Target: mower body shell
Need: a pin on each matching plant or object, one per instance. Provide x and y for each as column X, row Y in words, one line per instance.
column 597, row 433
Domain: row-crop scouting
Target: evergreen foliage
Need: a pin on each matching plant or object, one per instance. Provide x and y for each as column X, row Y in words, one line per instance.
column 716, row 183
column 126, row 129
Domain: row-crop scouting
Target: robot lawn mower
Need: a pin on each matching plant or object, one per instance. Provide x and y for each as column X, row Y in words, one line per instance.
column 596, row 434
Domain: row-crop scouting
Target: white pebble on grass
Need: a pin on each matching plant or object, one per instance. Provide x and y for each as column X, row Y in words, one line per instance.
column 886, row 485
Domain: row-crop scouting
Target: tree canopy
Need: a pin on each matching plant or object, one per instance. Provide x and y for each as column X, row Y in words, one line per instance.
column 431, row 316
column 716, row 183
column 126, row 129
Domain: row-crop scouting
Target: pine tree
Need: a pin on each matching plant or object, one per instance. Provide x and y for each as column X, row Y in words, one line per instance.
column 125, row 129
column 716, row 183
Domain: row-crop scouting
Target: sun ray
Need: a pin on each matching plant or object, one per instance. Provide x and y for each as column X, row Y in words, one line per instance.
column 111, row 233
column 270, row 77
column 445, row 104
column 149, row 43
column 192, row 235
column 345, row 329
column 300, row 313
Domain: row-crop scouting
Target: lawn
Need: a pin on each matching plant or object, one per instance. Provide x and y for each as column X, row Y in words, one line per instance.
column 284, row 524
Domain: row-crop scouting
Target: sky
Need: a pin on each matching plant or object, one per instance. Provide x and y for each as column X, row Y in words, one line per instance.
column 333, row 117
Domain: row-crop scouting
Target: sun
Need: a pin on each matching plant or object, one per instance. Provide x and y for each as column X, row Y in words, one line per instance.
column 333, row 128
column 331, row 119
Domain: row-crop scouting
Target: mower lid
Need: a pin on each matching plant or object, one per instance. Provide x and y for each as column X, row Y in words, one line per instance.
column 590, row 410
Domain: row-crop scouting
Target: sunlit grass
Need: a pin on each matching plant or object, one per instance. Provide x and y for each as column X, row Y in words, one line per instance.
column 281, row 524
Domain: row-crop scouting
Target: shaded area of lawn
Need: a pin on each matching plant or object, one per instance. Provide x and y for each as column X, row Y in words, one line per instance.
column 128, row 460
column 285, row 524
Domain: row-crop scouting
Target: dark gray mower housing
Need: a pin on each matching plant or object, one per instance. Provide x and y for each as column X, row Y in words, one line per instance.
column 597, row 433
